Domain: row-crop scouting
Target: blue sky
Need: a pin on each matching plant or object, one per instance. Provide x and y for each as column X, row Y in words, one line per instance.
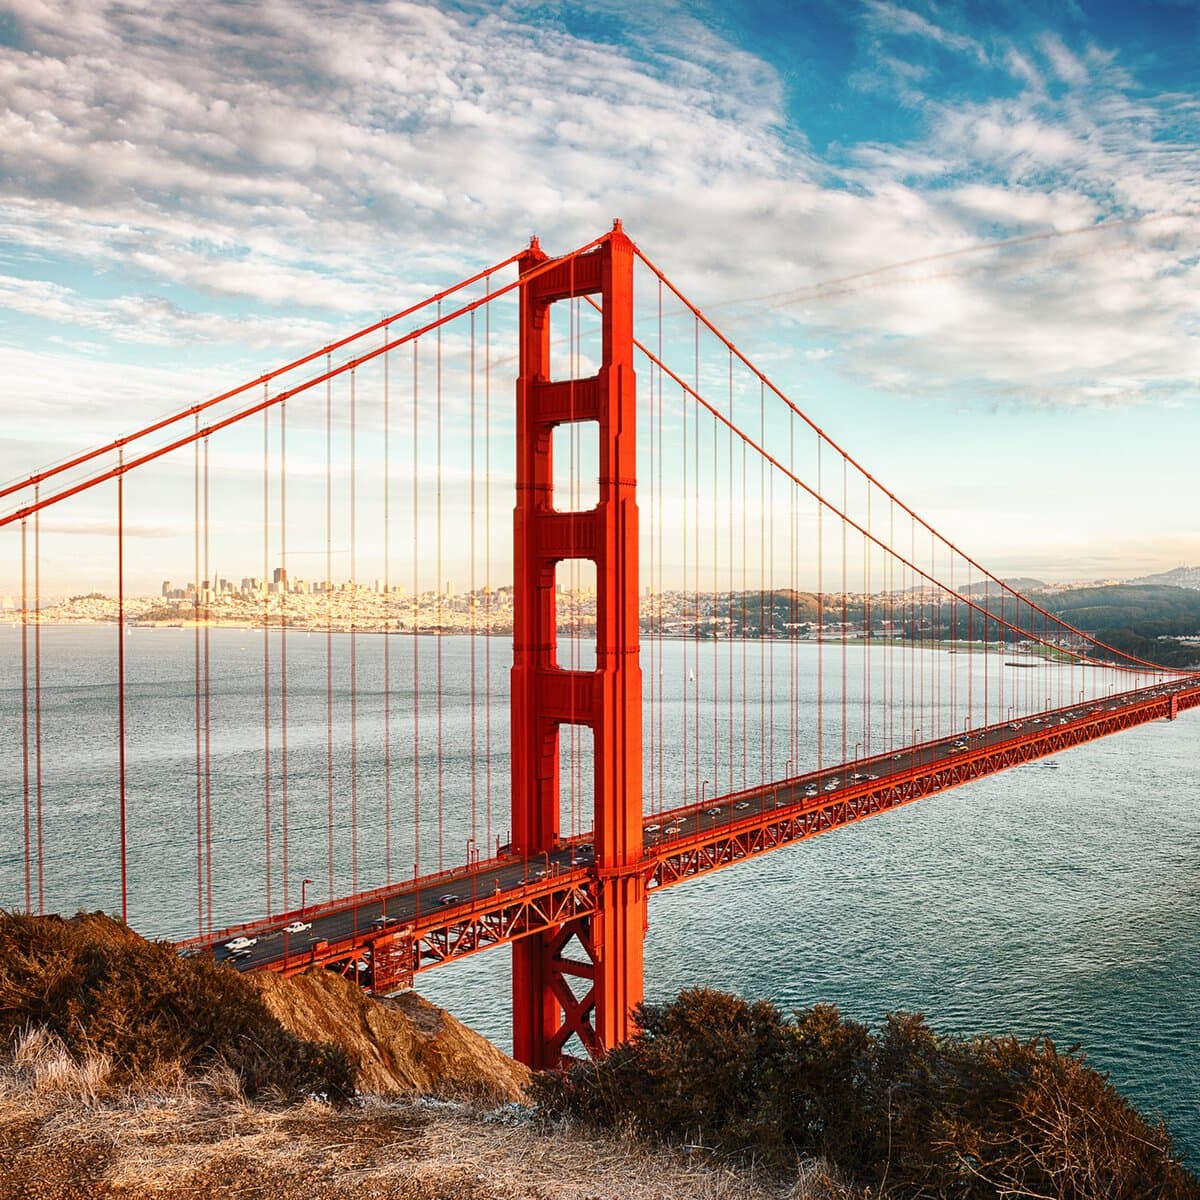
column 965, row 236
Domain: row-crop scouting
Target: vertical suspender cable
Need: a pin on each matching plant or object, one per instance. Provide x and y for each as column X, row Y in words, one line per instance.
column 208, row 882
column 771, row 599
column 716, row 582
column 25, row 714
column 471, row 602
column 867, row 638
column 439, row 584
column 121, row 681
column 745, row 621
column 765, row 619
column 354, row 635
column 387, row 624
column 820, row 610
column 649, row 519
column 37, row 696
column 329, row 618
column 659, row 534
column 487, row 555
column 266, row 643
column 730, row 574
column 285, row 586
column 416, row 614
column 845, row 605
column 684, row 586
column 696, row 572
column 793, row 681
column 196, row 648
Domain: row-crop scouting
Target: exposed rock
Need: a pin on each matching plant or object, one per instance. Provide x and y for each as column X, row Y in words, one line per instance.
column 403, row 1045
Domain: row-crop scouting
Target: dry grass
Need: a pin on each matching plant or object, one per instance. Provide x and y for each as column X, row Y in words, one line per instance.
column 100, row 988
column 68, row 1130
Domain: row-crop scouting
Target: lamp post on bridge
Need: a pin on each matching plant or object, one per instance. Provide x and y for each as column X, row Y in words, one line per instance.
column 303, row 891
column 703, row 786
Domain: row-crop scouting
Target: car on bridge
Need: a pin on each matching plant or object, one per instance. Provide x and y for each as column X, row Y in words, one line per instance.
column 241, row 943
column 297, row 927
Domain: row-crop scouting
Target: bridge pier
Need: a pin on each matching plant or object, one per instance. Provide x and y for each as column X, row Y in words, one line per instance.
column 585, row 977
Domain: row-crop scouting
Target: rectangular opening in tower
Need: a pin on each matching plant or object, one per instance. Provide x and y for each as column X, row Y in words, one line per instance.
column 576, row 458
column 576, row 782
column 575, row 614
column 576, row 338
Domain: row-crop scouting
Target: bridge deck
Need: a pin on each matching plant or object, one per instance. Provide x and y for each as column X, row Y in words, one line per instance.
column 384, row 936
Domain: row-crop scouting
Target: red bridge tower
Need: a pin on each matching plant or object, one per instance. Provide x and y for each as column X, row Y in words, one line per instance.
column 555, row 996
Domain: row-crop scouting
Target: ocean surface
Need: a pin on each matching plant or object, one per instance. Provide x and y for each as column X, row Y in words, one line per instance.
column 1059, row 898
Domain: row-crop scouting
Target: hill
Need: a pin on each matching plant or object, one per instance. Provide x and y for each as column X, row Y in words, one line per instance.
column 1143, row 620
column 1185, row 577
column 987, row 587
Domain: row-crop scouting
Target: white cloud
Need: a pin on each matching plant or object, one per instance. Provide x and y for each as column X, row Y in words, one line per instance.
column 893, row 19
column 341, row 159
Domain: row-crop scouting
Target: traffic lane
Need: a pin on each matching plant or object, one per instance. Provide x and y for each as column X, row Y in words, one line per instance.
column 359, row 920
column 817, row 785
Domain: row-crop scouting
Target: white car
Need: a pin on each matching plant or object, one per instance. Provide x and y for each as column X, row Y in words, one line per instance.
column 297, row 927
column 241, row 943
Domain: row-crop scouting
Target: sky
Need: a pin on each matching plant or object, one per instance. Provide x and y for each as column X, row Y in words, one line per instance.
column 964, row 237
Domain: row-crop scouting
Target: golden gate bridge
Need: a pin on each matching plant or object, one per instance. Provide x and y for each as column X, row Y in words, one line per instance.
column 727, row 636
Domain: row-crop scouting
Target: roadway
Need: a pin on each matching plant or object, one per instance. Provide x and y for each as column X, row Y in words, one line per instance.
column 459, row 892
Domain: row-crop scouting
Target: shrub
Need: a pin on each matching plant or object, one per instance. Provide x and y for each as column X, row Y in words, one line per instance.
column 902, row 1109
column 101, row 989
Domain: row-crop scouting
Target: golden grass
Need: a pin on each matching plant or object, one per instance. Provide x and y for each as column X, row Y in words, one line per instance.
column 69, row 1132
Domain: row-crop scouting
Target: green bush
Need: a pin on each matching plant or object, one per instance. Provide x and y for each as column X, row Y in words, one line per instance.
column 901, row 1109
column 101, row 988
